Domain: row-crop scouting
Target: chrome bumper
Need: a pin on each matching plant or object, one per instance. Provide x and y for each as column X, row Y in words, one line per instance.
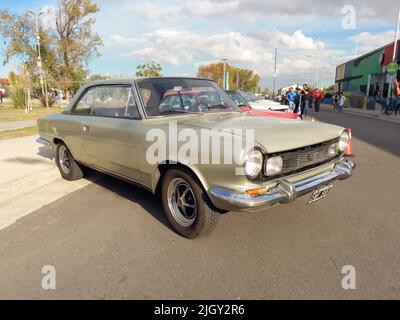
column 44, row 142
column 285, row 191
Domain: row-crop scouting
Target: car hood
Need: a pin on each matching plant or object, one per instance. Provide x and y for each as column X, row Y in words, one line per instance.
column 274, row 134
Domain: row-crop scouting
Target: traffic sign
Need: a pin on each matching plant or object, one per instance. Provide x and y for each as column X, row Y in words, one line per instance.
column 392, row 68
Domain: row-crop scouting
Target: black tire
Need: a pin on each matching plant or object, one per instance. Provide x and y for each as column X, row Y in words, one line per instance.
column 74, row 171
column 205, row 219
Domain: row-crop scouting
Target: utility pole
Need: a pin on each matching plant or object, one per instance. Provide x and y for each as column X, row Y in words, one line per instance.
column 237, row 80
column 396, row 37
column 356, row 49
column 273, row 91
column 43, row 83
column 224, row 59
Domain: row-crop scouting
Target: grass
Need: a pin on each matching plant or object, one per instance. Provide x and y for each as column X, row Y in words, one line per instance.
column 10, row 114
column 9, row 134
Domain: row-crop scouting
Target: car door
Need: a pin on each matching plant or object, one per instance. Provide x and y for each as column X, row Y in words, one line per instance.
column 111, row 131
column 72, row 125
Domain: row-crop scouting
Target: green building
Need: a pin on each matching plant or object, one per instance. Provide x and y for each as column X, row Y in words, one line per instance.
column 366, row 75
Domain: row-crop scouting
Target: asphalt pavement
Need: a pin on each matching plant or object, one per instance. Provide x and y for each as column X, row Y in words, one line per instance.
column 110, row 240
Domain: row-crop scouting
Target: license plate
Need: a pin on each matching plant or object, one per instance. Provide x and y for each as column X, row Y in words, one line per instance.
column 320, row 193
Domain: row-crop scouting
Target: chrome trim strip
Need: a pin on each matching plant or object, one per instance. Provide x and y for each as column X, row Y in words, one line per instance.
column 285, row 191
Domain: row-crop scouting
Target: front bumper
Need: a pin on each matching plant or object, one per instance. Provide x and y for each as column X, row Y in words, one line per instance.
column 284, row 192
column 44, row 142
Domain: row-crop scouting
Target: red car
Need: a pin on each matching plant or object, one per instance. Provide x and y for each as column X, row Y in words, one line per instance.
column 244, row 106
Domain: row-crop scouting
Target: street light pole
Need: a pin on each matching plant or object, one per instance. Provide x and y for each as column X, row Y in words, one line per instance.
column 39, row 62
column 273, row 90
column 224, row 78
column 396, row 37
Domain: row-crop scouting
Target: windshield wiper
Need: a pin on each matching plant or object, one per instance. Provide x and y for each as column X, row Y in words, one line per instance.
column 221, row 106
column 178, row 111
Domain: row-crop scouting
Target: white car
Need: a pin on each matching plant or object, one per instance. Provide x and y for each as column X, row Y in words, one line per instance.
column 268, row 105
column 264, row 104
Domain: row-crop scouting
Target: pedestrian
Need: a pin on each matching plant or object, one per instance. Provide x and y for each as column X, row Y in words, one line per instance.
column 396, row 87
column 342, row 100
column 290, row 96
column 318, row 96
column 297, row 101
column 376, row 91
column 1, row 95
column 304, row 100
column 335, row 101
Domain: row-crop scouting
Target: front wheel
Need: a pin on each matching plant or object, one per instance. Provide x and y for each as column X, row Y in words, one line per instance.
column 186, row 204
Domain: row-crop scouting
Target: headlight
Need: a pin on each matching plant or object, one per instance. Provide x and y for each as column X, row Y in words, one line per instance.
column 344, row 141
column 273, row 166
column 253, row 165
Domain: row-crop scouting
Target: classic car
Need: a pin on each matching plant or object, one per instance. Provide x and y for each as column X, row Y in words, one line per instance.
column 262, row 104
column 244, row 105
column 129, row 129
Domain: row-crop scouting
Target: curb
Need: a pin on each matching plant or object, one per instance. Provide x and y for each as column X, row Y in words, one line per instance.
column 379, row 116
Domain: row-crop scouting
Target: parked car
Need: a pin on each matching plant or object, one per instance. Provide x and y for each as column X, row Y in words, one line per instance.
column 264, row 104
column 244, row 105
column 118, row 127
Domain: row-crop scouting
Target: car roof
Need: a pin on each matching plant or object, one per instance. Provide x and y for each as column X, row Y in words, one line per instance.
column 132, row 80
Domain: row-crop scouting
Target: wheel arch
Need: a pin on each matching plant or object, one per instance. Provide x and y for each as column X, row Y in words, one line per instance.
column 162, row 168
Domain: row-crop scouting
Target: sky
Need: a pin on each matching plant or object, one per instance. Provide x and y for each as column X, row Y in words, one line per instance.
column 312, row 36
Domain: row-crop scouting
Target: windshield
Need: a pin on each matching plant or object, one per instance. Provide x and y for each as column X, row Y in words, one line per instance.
column 239, row 100
column 162, row 96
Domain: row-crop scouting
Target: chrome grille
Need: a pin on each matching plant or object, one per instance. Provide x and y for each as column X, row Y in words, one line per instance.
column 298, row 159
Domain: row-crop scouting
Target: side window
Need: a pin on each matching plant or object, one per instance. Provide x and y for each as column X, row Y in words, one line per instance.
column 132, row 109
column 85, row 103
column 110, row 101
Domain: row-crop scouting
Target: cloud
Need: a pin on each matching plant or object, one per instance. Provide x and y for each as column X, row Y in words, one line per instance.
column 254, row 9
column 299, row 55
column 367, row 41
column 296, row 41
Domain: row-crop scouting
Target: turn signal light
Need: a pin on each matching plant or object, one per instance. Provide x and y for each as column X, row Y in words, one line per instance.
column 256, row 192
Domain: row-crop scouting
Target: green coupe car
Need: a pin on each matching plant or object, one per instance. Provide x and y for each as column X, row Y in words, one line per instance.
column 187, row 141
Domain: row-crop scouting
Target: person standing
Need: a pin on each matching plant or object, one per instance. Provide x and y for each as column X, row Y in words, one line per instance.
column 318, row 96
column 342, row 100
column 304, row 100
column 1, row 95
column 396, row 91
column 291, row 95
column 377, row 91
column 297, row 100
column 335, row 100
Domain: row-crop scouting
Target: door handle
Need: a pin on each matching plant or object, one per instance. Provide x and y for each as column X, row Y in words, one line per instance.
column 86, row 128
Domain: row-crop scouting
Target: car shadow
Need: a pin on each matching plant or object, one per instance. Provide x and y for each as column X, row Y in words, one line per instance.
column 135, row 194
column 45, row 152
column 25, row 160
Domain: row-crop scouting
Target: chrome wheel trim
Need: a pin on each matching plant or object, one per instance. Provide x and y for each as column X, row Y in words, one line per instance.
column 182, row 202
column 64, row 159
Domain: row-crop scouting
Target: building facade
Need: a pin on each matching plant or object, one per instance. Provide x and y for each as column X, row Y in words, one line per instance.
column 366, row 75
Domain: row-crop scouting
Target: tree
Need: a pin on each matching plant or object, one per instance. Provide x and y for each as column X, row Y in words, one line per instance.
column 76, row 43
column 96, row 77
column 19, row 34
column 152, row 69
column 66, row 49
column 248, row 80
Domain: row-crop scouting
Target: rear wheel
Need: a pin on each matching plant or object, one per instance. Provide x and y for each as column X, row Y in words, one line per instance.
column 186, row 204
column 69, row 168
